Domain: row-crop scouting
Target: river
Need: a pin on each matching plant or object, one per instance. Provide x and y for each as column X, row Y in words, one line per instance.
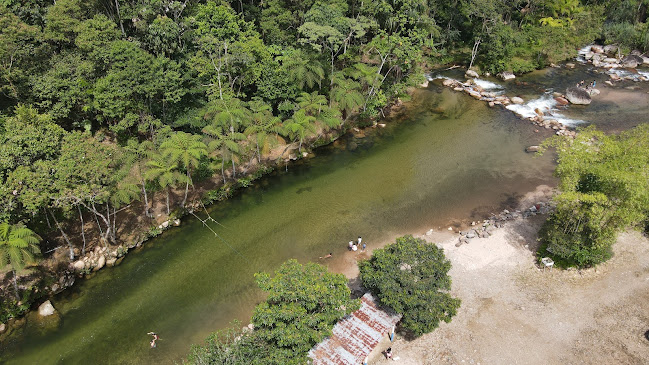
column 447, row 159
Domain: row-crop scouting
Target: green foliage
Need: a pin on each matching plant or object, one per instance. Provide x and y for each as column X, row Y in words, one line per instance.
column 411, row 277
column 604, row 190
column 304, row 302
column 231, row 346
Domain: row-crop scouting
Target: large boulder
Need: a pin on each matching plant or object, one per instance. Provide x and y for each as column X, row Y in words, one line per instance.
column 100, row 263
column 632, row 61
column 46, row 309
column 448, row 82
column 577, row 95
column 79, row 265
column 561, row 100
column 517, row 100
column 471, row 74
column 611, row 48
column 506, row 75
column 597, row 48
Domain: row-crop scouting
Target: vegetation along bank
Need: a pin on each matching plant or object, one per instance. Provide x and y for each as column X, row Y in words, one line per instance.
column 116, row 115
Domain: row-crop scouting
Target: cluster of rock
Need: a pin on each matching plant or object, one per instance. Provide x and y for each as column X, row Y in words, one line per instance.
column 167, row 224
column 608, row 57
column 497, row 221
column 478, row 93
column 540, row 119
column 98, row 258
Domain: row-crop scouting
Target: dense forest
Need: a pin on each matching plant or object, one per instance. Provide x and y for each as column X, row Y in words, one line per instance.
column 104, row 102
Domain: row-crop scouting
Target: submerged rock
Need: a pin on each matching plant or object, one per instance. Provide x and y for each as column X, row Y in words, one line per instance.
column 578, row 96
column 532, row 149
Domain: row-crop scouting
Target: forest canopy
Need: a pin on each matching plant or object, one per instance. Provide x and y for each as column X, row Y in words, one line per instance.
column 104, row 101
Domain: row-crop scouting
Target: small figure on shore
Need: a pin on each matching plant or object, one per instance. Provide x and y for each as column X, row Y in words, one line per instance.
column 155, row 338
column 581, row 83
column 594, row 83
column 327, row 256
column 351, row 243
column 388, row 353
column 359, row 240
column 364, row 247
column 354, row 247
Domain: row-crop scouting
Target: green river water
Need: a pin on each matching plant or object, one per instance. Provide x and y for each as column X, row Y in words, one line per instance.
column 448, row 158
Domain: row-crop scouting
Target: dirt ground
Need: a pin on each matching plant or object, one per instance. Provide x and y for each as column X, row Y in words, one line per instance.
column 513, row 312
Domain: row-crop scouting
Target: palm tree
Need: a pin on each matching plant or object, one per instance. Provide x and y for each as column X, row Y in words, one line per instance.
column 311, row 103
column 346, row 95
column 138, row 155
column 329, row 118
column 185, row 149
column 224, row 141
column 299, row 126
column 18, row 244
column 165, row 173
column 263, row 123
column 231, row 113
column 303, row 71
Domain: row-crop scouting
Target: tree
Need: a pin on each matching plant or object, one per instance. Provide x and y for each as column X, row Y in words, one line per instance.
column 604, row 189
column 304, row 302
column 346, row 95
column 165, row 173
column 299, row 126
column 263, row 123
column 18, row 245
column 411, row 277
column 185, row 149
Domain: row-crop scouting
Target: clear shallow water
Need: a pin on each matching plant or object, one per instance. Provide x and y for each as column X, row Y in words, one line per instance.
column 449, row 158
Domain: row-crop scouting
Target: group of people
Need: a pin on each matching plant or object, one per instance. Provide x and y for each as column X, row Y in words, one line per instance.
column 353, row 246
column 588, row 88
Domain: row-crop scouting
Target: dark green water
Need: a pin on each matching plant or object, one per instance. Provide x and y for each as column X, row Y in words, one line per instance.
column 449, row 158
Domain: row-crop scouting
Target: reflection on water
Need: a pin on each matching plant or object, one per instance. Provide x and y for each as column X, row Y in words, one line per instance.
column 447, row 157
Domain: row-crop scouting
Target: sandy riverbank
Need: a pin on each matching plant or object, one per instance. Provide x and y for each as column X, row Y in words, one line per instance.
column 515, row 313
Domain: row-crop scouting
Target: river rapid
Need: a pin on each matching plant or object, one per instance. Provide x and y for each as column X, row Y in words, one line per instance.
column 447, row 159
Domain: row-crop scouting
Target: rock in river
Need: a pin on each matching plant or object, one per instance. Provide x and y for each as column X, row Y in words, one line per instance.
column 46, row 309
column 517, row 100
column 578, row 95
column 471, row 74
column 506, row 75
column 632, row 61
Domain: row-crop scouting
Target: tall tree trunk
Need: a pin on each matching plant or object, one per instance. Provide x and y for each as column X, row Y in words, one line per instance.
column 65, row 236
column 114, row 224
column 168, row 201
column 83, row 231
column 16, row 284
column 223, row 169
column 186, row 189
column 146, row 200
column 49, row 225
column 234, row 168
column 94, row 211
column 119, row 16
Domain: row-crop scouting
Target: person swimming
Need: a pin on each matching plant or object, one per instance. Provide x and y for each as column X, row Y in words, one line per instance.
column 155, row 338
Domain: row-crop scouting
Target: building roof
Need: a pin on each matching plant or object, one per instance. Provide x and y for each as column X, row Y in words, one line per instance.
column 356, row 335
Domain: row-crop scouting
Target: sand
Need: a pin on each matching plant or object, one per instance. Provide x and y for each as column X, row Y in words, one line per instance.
column 513, row 312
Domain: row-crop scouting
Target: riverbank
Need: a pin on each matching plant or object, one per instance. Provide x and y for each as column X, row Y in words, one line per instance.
column 57, row 273
column 515, row 312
